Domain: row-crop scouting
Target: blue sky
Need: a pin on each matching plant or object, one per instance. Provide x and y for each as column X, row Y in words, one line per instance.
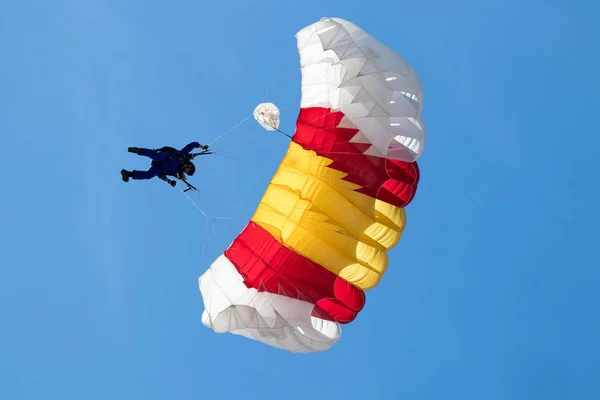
column 491, row 294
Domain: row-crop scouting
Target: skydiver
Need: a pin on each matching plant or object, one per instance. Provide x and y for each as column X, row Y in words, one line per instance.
column 165, row 161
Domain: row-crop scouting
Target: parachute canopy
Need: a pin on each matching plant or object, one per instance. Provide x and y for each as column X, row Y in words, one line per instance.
column 267, row 115
column 336, row 205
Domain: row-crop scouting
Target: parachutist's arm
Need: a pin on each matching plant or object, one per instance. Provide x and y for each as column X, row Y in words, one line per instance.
column 169, row 181
column 164, row 178
column 190, row 147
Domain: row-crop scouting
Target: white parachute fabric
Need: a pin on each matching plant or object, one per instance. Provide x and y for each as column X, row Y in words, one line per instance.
column 276, row 320
column 267, row 115
column 347, row 70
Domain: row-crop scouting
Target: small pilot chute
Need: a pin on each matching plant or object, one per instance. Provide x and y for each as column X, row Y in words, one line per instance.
column 267, row 115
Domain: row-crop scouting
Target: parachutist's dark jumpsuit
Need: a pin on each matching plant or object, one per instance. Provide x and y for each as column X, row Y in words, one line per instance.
column 162, row 163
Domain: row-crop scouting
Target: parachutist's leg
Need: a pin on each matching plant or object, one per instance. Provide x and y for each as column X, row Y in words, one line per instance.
column 143, row 175
column 153, row 154
column 125, row 175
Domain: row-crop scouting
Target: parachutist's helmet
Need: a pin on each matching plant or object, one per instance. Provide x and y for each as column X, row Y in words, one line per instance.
column 189, row 168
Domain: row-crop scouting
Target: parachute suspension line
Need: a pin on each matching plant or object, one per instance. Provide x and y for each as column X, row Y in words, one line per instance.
column 208, row 217
column 230, row 129
column 193, row 202
column 274, row 85
column 232, row 157
column 202, row 212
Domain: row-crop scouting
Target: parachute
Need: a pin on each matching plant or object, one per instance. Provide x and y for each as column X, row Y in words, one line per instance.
column 267, row 115
column 336, row 205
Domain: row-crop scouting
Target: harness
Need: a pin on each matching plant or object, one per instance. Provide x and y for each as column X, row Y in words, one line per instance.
column 184, row 158
column 173, row 153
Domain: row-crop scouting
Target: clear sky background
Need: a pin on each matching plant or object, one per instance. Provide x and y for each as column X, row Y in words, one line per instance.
column 493, row 292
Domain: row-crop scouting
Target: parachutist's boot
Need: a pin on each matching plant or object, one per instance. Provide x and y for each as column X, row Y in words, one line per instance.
column 135, row 150
column 126, row 175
